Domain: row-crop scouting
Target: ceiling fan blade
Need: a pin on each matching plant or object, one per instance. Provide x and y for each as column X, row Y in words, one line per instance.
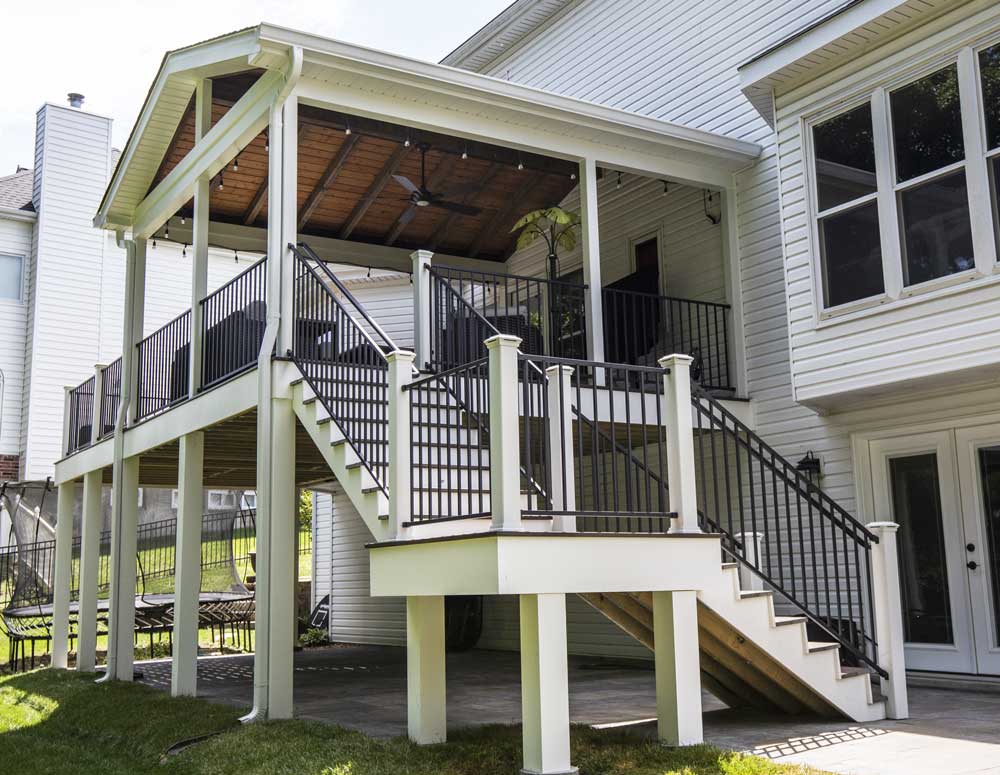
column 406, row 216
column 406, row 183
column 455, row 207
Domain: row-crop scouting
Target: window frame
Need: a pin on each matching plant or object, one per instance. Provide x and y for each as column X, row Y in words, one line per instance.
column 19, row 299
column 984, row 197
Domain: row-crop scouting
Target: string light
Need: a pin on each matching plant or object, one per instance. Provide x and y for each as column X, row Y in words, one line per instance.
column 221, row 182
column 619, row 183
column 154, row 243
column 347, row 128
column 182, row 220
column 572, row 176
column 406, row 142
column 267, row 139
column 465, row 152
column 520, row 164
column 184, row 250
column 666, row 188
column 236, row 256
column 236, row 163
column 166, row 232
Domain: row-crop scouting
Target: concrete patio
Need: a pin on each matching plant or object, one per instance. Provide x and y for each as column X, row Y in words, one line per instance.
column 364, row 687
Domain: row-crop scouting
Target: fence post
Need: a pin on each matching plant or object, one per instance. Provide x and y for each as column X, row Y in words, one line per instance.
column 67, row 413
column 422, row 307
column 561, row 462
column 680, row 443
column 889, row 618
column 400, row 375
column 95, row 425
column 752, row 544
column 505, row 444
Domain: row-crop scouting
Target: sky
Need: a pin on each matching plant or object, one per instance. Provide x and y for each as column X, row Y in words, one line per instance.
column 109, row 51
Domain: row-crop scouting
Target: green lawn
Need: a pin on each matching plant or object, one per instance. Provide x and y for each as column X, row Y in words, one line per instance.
column 52, row 721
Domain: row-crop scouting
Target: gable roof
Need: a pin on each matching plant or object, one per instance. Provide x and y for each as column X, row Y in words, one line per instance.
column 15, row 190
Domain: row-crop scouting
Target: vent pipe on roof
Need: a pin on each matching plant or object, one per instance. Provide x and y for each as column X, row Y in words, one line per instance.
column 75, row 99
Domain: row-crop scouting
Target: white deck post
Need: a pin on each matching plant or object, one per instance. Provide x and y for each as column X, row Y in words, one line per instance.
column 544, row 684
column 680, row 443
column 67, row 406
column 5, row 527
column 187, row 564
column 400, row 375
column 678, row 673
column 422, row 307
column 90, row 551
column 95, row 424
column 199, row 238
column 590, row 243
column 889, row 618
column 425, row 669
column 121, row 625
column 505, row 447
column 752, row 546
column 135, row 308
column 62, row 573
column 561, row 452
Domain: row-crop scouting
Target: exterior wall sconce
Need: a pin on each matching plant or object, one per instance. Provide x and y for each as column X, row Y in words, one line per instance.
column 809, row 466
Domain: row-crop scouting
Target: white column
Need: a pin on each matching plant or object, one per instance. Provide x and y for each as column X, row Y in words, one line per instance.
column 135, row 313
column 752, row 546
column 680, row 443
column 590, row 243
column 561, row 452
column 889, row 618
column 425, row 669
column 400, row 374
column 544, row 684
column 288, row 220
column 736, row 363
column 187, row 564
column 67, row 412
column 95, row 425
column 678, row 672
column 92, row 521
column 199, row 236
column 121, row 627
column 422, row 307
column 62, row 573
column 505, row 448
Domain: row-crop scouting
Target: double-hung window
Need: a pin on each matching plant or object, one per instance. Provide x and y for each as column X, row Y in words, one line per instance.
column 989, row 76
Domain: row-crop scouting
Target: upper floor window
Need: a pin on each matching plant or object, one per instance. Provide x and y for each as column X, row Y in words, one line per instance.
column 846, row 187
column 989, row 76
column 11, row 278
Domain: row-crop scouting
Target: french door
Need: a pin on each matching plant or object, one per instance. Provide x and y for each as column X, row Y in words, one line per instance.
column 943, row 489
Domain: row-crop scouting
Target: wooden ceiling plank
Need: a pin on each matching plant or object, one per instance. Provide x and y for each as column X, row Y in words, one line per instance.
column 437, row 177
column 328, row 177
column 503, row 214
column 390, row 166
column 442, row 230
column 256, row 204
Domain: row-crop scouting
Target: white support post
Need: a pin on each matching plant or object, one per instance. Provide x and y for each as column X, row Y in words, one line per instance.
column 425, row 669
column 680, row 443
column 199, row 238
column 121, row 626
column 400, row 375
column 590, row 243
column 889, row 618
column 187, row 564
column 505, row 446
column 67, row 412
column 422, row 307
column 752, row 548
column 678, row 672
column 95, row 424
column 5, row 527
column 135, row 309
column 544, row 685
column 62, row 574
column 561, row 453
column 288, row 220
column 92, row 520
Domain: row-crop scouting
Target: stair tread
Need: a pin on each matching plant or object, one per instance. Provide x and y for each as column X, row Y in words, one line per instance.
column 780, row 621
column 746, row 594
column 817, row 645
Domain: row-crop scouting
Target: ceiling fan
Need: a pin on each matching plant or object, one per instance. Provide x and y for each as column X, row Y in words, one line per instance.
column 421, row 196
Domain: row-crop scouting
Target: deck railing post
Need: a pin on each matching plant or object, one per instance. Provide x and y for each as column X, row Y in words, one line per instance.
column 400, row 375
column 680, row 443
column 67, row 415
column 752, row 545
column 505, row 446
column 561, row 462
column 889, row 618
column 422, row 306
column 95, row 423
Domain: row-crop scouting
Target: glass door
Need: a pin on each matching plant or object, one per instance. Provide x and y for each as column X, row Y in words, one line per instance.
column 914, row 485
column 979, row 478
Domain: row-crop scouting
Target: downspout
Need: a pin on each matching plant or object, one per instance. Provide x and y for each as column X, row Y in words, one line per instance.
column 276, row 249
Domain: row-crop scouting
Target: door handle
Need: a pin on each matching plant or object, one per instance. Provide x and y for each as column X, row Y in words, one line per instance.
column 970, row 547
column 972, row 565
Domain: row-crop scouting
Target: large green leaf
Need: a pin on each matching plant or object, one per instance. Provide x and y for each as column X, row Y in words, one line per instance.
column 531, row 217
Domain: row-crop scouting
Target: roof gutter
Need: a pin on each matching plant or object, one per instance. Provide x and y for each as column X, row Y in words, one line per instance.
column 16, row 214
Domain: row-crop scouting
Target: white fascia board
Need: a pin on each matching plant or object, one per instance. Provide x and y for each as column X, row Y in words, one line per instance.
column 225, row 54
column 515, row 97
column 96, row 456
column 14, row 214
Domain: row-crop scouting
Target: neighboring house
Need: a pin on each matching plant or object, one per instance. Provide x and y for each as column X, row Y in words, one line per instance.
column 696, row 432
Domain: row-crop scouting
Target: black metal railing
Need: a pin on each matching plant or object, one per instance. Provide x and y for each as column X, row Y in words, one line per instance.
column 81, row 416
column 593, row 443
column 164, row 367
column 449, row 444
column 469, row 306
column 342, row 360
column 234, row 317
column 111, row 397
column 640, row 328
column 811, row 551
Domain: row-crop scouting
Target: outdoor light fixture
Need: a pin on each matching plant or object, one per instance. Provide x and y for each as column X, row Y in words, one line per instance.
column 809, row 466
column 236, row 163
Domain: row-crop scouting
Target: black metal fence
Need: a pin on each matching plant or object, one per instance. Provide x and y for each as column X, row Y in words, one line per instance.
column 164, row 366
column 468, row 307
column 811, row 550
column 233, row 321
column 591, row 451
column 640, row 328
column 111, row 397
column 449, row 444
column 81, row 416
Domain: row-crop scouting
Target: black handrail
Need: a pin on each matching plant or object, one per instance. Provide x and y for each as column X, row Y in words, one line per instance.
column 164, row 366
column 81, row 416
column 111, row 396
column 233, row 320
column 812, row 552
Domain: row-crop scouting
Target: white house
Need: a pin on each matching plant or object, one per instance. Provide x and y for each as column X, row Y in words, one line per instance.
column 701, row 435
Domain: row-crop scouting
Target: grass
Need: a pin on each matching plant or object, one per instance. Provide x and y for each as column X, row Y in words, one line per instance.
column 61, row 722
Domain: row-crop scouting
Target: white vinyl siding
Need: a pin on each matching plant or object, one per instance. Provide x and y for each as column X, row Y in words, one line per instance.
column 322, row 547
column 15, row 240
